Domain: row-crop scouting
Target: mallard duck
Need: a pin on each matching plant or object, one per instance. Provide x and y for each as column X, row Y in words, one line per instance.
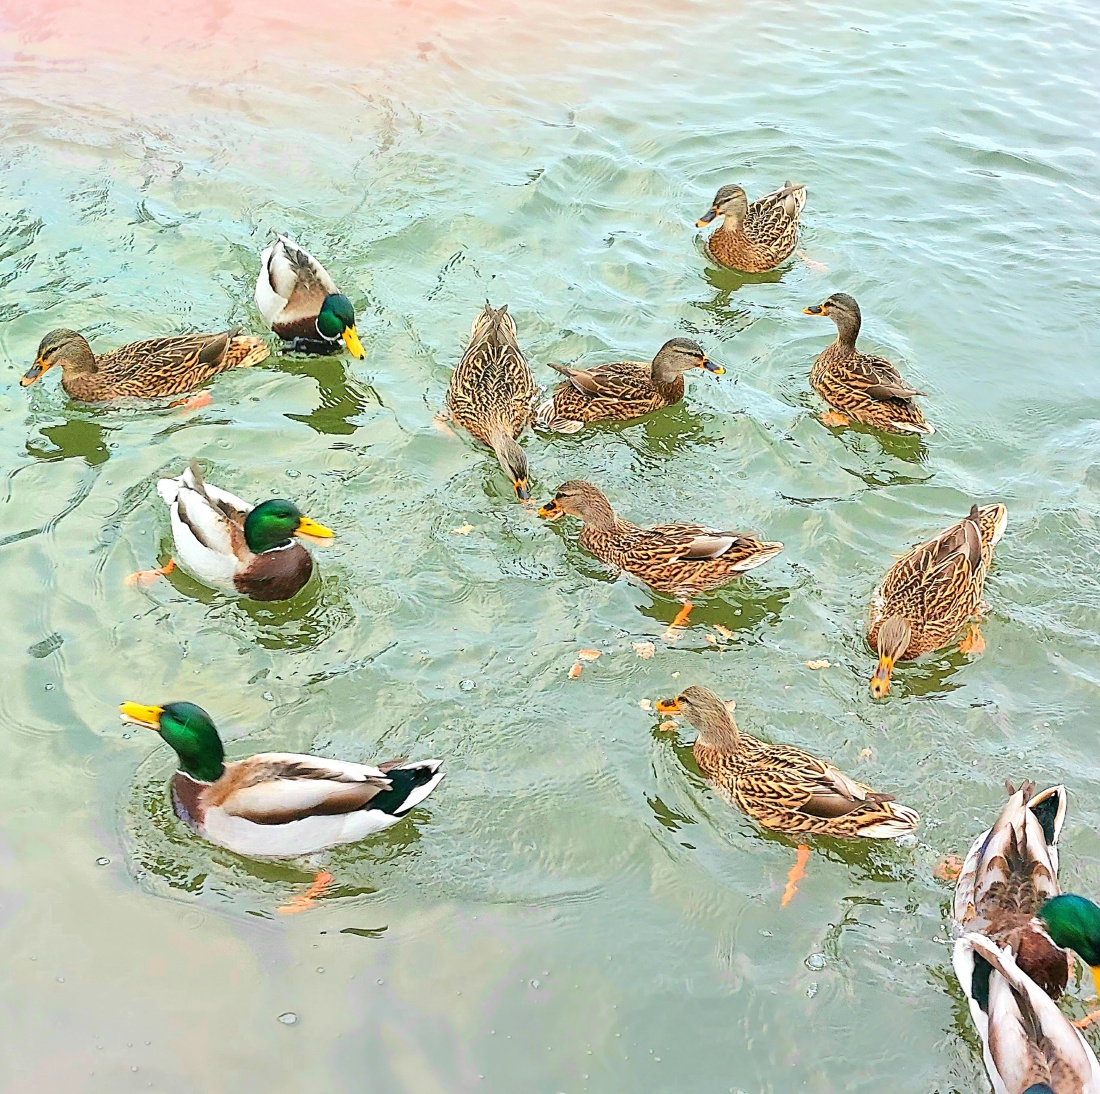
column 231, row 544
column 143, row 370
column 1010, row 870
column 861, row 386
column 624, row 390
column 1029, row 1046
column 301, row 303
column 679, row 559
column 278, row 804
column 1073, row 922
column 932, row 592
column 492, row 391
column 757, row 237
column 780, row 786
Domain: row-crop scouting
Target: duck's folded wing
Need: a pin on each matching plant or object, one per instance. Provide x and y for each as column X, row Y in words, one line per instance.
column 277, row 788
column 1027, row 1039
column 605, row 381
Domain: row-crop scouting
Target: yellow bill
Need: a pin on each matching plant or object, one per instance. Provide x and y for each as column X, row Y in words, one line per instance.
column 351, row 340
column 138, row 715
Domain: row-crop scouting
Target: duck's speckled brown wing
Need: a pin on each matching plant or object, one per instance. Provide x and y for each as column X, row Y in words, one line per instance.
column 159, row 367
column 613, row 392
column 680, row 559
column 868, row 389
column 937, row 585
column 492, row 386
column 790, row 790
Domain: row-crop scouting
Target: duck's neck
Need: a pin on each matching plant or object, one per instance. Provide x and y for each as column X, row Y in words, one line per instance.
column 720, row 734
column 598, row 515
column 847, row 330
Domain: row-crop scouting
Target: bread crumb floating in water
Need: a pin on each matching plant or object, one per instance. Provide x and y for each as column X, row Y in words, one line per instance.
column 644, row 650
column 588, row 655
column 465, row 530
column 822, row 664
column 645, row 704
column 576, row 670
column 723, row 632
column 668, row 727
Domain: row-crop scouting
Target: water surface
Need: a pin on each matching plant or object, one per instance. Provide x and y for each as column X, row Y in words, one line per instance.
column 574, row 910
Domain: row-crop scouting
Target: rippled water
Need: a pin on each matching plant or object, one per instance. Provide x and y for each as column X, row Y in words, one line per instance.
column 573, row 910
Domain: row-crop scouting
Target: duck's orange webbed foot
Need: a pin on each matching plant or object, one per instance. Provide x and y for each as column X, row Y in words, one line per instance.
column 834, row 419
column 948, row 868
column 812, row 263
column 147, row 577
column 301, row 903
column 678, row 624
column 1082, row 1023
column 797, row 873
column 973, row 643
column 193, row 402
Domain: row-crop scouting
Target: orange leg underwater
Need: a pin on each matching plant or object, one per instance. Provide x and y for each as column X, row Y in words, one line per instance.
column 973, row 643
column 797, row 873
column 302, row 903
column 147, row 577
column 679, row 622
column 834, row 418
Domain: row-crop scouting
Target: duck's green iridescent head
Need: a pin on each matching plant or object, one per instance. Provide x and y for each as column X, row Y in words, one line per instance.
column 1073, row 922
column 190, row 732
column 272, row 524
column 336, row 319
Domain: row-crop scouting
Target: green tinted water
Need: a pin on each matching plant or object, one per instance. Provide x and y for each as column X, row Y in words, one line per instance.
column 574, row 910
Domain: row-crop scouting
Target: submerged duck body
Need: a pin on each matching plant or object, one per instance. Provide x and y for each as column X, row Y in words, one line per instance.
column 757, row 237
column 276, row 804
column 233, row 545
column 152, row 369
column 623, row 390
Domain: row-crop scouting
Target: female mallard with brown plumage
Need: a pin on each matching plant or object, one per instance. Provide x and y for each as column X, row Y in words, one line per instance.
column 780, row 786
column 624, row 390
column 151, row 369
column 300, row 302
column 1009, row 872
column 679, row 559
column 860, row 386
column 932, row 592
column 492, row 391
column 758, row 237
column 230, row 544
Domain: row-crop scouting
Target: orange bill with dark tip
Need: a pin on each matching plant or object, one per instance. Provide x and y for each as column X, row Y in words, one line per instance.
column 35, row 372
column 706, row 218
column 710, row 366
column 880, row 682
column 813, row 309
column 523, row 492
column 551, row 510
column 667, row 706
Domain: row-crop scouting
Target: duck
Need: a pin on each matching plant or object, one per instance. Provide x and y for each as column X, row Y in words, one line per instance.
column 933, row 592
column 230, row 544
column 681, row 559
column 151, row 369
column 1028, row 1045
column 492, row 392
column 780, row 786
column 278, row 804
column 1010, row 871
column 860, row 386
column 758, row 237
column 300, row 302
column 622, row 391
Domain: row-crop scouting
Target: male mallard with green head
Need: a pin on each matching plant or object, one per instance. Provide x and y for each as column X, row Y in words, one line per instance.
column 300, row 302
column 279, row 804
column 230, row 544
